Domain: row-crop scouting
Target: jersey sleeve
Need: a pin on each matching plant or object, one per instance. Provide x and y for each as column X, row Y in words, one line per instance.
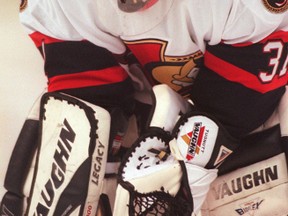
column 77, row 56
column 75, row 21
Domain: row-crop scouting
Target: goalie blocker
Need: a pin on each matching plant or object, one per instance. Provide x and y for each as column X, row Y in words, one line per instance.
column 69, row 164
column 169, row 169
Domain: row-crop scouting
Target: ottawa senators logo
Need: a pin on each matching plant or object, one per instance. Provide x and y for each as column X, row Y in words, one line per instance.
column 178, row 72
column 23, row 4
column 276, row 6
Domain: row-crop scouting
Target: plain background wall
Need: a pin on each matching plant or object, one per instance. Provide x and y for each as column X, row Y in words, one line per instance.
column 22, row 80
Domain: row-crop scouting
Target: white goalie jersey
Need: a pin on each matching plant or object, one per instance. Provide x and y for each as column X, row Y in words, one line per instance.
column 235, row 40
column 205, row 21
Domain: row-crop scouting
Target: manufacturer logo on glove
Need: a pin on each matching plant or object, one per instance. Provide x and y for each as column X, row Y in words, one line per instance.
column 276, row 6
column 196, row 140
column 249, row 207
column 59, row 167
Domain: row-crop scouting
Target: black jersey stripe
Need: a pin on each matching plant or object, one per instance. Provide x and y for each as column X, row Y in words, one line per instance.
column 238, row 108
column 70, row 57
column 105, row 95
column 66, row 57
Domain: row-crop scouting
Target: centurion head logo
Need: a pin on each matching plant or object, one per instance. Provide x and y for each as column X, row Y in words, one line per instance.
column 276, row 6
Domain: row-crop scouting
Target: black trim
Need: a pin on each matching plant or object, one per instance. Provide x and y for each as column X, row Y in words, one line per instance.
column 70, row 57
column 22, row 156
column 115, row 94
column 254, row 148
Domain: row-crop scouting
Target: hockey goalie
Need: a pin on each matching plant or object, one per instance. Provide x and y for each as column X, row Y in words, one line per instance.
column 228, row 57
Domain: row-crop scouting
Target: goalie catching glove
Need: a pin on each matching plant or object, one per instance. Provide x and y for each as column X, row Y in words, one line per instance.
column 152, row 180
column 157, row 177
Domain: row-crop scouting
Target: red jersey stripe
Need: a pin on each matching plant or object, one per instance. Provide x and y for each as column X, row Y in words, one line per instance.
column 236, row 74
column 38, row 38
column 87, row 78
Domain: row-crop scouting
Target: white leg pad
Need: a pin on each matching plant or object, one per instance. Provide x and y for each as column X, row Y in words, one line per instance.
column 71, row 159
column 258, row 189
